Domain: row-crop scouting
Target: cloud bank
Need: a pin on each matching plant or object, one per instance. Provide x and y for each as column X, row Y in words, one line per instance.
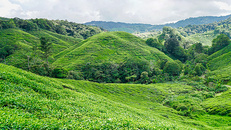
column 130, row 11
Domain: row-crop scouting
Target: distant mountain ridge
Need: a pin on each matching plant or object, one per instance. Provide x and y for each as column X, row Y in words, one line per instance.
column 137, row 27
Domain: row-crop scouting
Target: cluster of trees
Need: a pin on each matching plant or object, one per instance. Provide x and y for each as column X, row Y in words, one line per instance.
column 222, row 27
column 140, row 71
column 58, row 26
column 171, row 45
column 7, row 48
column 194, row 56
column 136, row 71
column 34, row 59
column 218, row 43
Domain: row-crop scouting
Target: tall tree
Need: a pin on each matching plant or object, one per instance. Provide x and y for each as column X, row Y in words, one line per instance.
column 198, row 47
column 219, row 42
column 45, row 47
column 171, row 44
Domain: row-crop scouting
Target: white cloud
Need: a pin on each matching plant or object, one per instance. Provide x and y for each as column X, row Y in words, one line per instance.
column 8, row 9
column 132, row 11
column 223, row 5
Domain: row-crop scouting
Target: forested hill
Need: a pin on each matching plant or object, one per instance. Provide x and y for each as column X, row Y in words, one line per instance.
column 128, row 27
column 57, row 26
column 198, row 21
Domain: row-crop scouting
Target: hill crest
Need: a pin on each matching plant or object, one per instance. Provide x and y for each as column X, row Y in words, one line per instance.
column 139, row 27
column 112, row 47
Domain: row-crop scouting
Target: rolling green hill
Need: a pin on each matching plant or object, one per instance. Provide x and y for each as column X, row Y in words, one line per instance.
column 22, row 44
column 35, row 102
column 219, row 64
column 203, row 33
column 204, row 38
column 115, row 47
column 57, row 26
column 20, row 39
column 59, row 42
column 207, row 32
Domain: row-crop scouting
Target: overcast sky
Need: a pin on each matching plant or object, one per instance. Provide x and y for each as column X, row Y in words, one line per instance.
column 130, row 11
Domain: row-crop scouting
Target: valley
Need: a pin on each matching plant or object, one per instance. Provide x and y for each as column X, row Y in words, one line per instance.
column 56, row 74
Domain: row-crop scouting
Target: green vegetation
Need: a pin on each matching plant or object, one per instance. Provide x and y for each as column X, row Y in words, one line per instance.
column 113, row 55
column 172, row 81
column 220, row 42
column 57, row 26
column 219, row 105
column 219, row 62
column 35, row 102
column 107, row 47
column 172, row 68
column 133, row 28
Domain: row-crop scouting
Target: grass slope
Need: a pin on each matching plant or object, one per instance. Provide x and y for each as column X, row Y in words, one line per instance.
column 35, row 102
column 110, row 47
column 66, row 43
column 220, row 64
column 220, row 104
column 17, row 36
column 220, row 52
column 26, row 41
column 204, row 38
column 59, row 42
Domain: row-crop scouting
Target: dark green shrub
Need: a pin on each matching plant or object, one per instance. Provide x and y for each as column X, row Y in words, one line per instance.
column 144, row 77
column 172, row 68
column 199, row 69
column 180, row 64
column 219, row 42
column 60, row 72
column 161, row 63
column 180, row 53
column 74, row 75
column 201, row 58
column 41, row 69
column 155, row 43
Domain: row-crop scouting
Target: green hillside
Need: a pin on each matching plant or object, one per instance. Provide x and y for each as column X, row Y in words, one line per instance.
column 204, row 38
column 115, row 47
column 20, row 45
column 17, row 36
column 220, row 52
column 59, row 42
column 34, row 102
column 203, row 33
column 220, row 64
column 29, row 39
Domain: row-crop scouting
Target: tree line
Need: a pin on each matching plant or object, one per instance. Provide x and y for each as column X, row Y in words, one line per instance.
column 58, row 26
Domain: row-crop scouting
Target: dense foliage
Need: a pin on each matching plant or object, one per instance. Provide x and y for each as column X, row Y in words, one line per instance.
column 220, row 42
column 29, row 101
column 57, row 26
column 222, row 27
column 184, row 79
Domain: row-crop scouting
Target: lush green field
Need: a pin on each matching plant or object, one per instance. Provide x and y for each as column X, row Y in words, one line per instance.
column 114, row 47
column 220, row 104
column 204, row 38
column 35, row 102
column 186, row 95
column 27, row 40
column 17, row 36
column 59, row 42
column 219, row 64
